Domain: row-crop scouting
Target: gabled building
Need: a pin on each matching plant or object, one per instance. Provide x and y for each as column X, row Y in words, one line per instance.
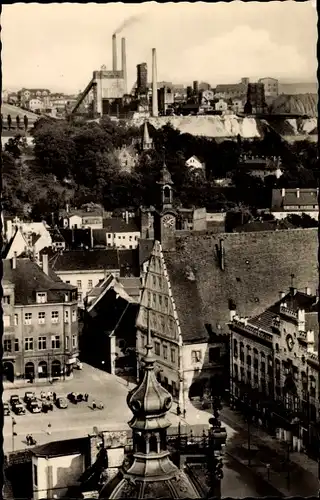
column 261, row 167
column 295, row 202
column 195, row 165
column 190, row 356
column 109, row 326
column 85, row 268
column 40, row 339
column 17, row 245
column 275, row 367
column 121, row 233
column 81, row 219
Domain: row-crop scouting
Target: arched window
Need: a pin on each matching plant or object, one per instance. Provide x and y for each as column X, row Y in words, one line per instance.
column 29, row 371
column 153, row 444
column 167, row 194
column 139, row 443
column 42, row 369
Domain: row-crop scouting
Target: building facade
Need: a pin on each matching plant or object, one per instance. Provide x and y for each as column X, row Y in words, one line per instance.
column 275, row 367
column 185, row 361
column 271, row 86
column 295, row 202
column 40, row 323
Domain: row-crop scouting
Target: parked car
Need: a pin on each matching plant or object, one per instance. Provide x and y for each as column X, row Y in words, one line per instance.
column 61, row 403
column 33, row 406
column 73, row 397
column 29, row 396
column 6, row 409
column 14, row 399
column 47, row 406
column 19, row 409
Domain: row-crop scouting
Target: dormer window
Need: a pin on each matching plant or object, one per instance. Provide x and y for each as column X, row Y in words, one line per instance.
column 41, row 297
column 66, row 297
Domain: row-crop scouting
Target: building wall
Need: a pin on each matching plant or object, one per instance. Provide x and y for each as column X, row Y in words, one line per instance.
column 123, row 240
column 53, row 475
column 86, row 277
column 282, row 215
column 271, row 86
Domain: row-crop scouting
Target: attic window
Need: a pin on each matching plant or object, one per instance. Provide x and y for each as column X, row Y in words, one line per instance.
column 41, row 297
column 238, row 279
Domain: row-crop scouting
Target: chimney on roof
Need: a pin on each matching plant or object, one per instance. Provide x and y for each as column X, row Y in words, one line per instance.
column 67, row 208
column 308, row 291
column 298, row 192
column 282, row 294
column 293, row 291
column 14, row 260
column 45, row 264
column 283, row 192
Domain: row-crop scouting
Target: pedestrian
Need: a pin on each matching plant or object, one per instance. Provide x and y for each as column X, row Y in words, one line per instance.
column 54, row 396
column 49, row 429
column 94, row 405
column 184, row 413
column 178, row 411
column 28, row 439
column 86, row 397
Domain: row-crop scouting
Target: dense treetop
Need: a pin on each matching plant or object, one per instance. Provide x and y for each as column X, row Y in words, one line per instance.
column 78, row 163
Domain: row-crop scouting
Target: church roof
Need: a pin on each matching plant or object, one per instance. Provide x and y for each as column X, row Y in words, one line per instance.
column 165, row 176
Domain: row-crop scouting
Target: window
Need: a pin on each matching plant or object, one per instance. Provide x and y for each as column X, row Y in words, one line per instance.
column 74, row 315
column 79, row 296
column 27, row 318
column 165, row 352
column 41, row 318
column 42, row 343
column 79, row 284
column 66, row 316
column 16, row 320
column 16, row 345
column 6, row 320
column 55, row 342
column 35, row 474
column 41, row 297
column 90, row 284
column 160, row 300
column 214, row 354
column 67, row 342
column 157, row 348
column 109, row 235
column 173, row 356
column 235, row 348
column 66, row 297
column 6, row 299
column 28, row 344
column 7, row 345
column 55, row 316
column 154, row 280
column 74, row 341
column 195, row 356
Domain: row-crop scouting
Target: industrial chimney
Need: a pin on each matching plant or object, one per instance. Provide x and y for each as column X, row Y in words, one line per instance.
column 154, row 84
column 114, row 52
column 124, row 63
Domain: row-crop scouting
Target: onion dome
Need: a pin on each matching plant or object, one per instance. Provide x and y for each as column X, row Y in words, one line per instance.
column 149, row 401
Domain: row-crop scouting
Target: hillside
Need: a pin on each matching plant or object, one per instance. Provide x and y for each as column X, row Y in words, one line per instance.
column 303, row 104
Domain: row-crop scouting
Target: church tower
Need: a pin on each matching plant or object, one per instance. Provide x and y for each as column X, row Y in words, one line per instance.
column 147, row 142
column 166, row 215
column 149, row 473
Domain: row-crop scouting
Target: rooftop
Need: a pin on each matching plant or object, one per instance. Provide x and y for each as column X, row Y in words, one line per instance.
column 300, row 197
column 28, row 279
column 62, row 448
column 256, row 266
column 83, row 260
column 119, row 225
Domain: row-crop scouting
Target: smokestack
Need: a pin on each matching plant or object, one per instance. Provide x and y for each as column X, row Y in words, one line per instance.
column 154, row 84
column 124, row 63
column 114, row 52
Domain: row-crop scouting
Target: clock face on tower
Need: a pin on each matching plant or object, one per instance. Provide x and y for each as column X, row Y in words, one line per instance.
column 168, row 220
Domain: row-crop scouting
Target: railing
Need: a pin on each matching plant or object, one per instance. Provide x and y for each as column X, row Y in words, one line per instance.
column 288, row 312
column 260, row 332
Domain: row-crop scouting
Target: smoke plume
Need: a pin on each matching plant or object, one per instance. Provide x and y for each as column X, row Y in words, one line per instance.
column 126, row 23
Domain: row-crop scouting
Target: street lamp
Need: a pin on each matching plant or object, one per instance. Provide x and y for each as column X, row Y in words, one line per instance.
column 14, row 423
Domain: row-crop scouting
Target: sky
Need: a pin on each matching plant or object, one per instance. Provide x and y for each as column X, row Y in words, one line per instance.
column 58, row 46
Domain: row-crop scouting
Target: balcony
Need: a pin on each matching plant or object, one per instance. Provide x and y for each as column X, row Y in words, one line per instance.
column 288, row 312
